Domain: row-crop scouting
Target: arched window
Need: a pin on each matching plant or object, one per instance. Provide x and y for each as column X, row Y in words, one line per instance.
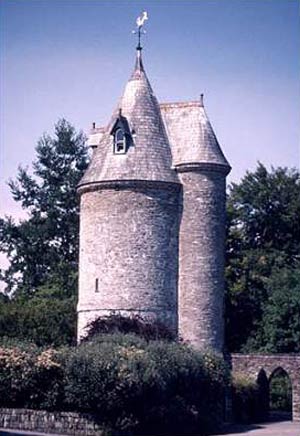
column 119, row 142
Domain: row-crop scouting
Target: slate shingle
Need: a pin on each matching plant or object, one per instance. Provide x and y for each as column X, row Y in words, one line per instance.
column 149, row 156
column 191, row 135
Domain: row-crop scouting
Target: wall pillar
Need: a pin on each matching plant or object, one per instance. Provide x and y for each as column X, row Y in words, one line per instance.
column 296, row 398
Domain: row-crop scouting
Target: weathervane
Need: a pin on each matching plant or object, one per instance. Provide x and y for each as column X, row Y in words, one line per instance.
column 140, row 23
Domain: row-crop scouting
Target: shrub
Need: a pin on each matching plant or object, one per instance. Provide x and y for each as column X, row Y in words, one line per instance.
column 117, row 323
column 249, row 402
column 30, row 377
column 45, row 320
column 15, row 376
column 146, row 387
column 131, row 385
column 47, row 390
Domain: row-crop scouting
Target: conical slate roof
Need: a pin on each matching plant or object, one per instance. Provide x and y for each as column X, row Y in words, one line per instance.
column 148, row 156
column 191, row 136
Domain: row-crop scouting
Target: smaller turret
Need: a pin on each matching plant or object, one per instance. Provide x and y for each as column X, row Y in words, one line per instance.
column 202, row 169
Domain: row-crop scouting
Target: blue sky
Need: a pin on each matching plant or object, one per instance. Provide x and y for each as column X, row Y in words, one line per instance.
column 72, row 58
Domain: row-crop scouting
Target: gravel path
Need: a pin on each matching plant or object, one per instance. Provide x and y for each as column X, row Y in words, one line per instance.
column 283, row 428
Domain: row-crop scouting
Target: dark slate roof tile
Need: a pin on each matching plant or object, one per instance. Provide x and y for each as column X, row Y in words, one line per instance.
column 191, row 135
column 149, row 157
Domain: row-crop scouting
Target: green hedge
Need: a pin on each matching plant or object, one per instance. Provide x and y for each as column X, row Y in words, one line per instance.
column 132, row 385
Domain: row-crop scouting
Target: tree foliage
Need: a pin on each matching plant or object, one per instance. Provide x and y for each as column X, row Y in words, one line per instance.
column 279, row 329
column 45, row 319
column 46, row 243
column 263, row 239
column 41, row 280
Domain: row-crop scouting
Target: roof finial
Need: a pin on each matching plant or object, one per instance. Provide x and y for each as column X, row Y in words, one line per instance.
column 202, row 100
column 140, row 23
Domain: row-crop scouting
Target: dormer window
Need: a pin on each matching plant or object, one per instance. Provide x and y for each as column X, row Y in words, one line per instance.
column 119, row 142
column 122, row 137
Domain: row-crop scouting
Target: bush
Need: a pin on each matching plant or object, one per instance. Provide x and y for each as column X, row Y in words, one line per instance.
column 133, row 386
column 249, row 399
column 117, row 323
column 146, row 387
column 30, row 377
column 44, row 320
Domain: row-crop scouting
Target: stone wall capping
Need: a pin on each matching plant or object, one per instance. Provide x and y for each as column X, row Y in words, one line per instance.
column 290, row 356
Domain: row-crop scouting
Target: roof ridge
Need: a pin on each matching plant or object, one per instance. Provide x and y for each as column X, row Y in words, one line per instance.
column 187, row 103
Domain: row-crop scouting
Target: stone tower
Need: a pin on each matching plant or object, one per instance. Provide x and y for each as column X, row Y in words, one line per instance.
column 202, row 169
column 129, row 214
column 152, row 221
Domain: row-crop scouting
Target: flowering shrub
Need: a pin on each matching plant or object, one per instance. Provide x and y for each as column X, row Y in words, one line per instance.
column 28, row 378
column 47, row 381
column 15, row 374
column 132, row 385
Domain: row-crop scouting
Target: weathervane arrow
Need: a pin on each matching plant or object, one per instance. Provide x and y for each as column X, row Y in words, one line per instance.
column 140, row 23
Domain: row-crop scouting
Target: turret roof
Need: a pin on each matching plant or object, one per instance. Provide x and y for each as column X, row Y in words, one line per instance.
column 191, row 135
column 148, row 156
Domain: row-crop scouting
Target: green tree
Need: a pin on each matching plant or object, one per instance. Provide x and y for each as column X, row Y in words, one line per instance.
column 263, row 235
column 41, row 280
column 44, row 246
column 279, row 329
column 45, row 318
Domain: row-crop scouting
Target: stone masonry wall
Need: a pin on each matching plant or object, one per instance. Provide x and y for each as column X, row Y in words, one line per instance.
column 66, row 423
column 201, row 259
column 129, row 244
column 252, row 364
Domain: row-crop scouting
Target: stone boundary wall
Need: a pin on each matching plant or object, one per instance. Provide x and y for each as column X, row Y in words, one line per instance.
column 65, row 423
column 252, row 364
